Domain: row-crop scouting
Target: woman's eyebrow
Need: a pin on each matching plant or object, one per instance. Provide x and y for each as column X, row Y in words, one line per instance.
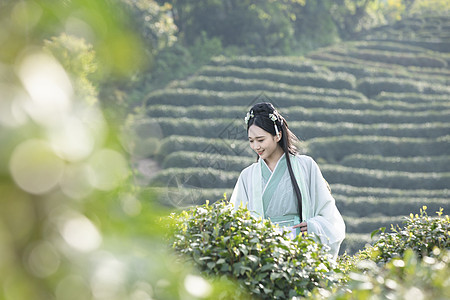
column 258, row 137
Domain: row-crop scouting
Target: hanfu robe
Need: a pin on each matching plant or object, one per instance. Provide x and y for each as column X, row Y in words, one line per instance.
column 270, row 195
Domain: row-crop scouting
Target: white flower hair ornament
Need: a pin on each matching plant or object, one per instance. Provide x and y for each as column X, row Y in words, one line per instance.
column 248, row 117
column 274, row 118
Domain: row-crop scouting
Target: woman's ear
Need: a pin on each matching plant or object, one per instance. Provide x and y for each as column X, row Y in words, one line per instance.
column 278, row 136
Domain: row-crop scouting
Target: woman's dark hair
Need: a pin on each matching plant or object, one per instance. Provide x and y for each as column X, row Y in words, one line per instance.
column 259, row 116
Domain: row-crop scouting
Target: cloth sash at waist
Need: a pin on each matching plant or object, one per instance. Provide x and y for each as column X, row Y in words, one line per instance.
column 287, row 221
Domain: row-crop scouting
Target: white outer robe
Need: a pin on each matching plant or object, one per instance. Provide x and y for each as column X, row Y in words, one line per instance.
column 318, row 205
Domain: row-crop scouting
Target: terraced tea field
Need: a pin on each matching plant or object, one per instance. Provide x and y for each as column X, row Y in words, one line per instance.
column 374, row 113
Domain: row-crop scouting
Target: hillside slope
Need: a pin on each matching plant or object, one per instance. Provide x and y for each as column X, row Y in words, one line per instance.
column 374, row 113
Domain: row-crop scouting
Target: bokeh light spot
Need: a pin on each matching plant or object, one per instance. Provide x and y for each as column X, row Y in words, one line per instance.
column 80, row 233
column 197, row 286
column 108, row 169
column 108, row 277
column 74, row 182
column 130, row 205
column 49, row 87
column 77, row 27
column 43, row 260
column 29, row 11
column 142, row 291
column 11, row 114
column 72, row 139
column 34, row 167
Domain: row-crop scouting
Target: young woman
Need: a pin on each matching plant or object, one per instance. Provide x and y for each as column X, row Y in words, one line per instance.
column 285, row 187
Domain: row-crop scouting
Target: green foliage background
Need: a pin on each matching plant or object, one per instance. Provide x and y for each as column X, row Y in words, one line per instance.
column 266, row 263
column 410, row 262
column 73, row 225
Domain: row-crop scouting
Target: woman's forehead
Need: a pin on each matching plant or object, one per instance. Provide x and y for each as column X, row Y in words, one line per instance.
column 256, row 131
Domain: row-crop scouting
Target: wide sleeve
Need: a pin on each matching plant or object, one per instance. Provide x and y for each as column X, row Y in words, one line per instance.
column 239, row 195
column 325, row 220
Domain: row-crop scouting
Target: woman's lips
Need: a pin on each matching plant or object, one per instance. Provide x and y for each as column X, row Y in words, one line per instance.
column 260, row 152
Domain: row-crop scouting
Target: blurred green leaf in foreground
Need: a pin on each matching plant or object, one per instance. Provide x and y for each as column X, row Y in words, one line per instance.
column 72, row 224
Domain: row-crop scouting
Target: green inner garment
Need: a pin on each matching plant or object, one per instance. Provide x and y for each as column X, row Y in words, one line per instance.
column 269, row 185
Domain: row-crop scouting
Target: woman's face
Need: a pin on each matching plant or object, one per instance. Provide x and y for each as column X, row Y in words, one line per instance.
column 263, row 143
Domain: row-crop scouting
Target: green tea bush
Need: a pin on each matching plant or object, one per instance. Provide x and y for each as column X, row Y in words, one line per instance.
column 227, row 242
column 353, row 243
column 283, row 63
column 194, row 177
column 363, row 70
column 386, row 46
column 368, row 116
column 327, row 56
column 246, row 85
column 405, row 164
column 199, row 144
column 416, row 107
column 185, row 197
column 212, row 127
column 420, row 233
column 232, row 84
column 299, row 113
column 411, row 97
column 307, row 130
column 408, row 277
column 360, row 71
column 408, row 263
column 382, row 178
column 443, row 73
column 332, row 80
column 369, row 224
column 386, row 206
column 352, row 191
column 188, row 97
column 335, row 58
column 441, row 46
column 374, row 86
column 389, row 57
column 184, row 159
column 336, row 148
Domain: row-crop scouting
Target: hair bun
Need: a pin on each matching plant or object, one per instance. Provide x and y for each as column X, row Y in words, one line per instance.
column 263, row 108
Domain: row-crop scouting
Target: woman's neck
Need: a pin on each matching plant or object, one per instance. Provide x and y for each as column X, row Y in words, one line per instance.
column 272, row 161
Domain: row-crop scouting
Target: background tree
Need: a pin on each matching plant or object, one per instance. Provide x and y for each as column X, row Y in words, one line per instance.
column 352, row 16
column 260, row 27
column 77, row 57
column 313, row 25
column 395, row 10
column 153, row 23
